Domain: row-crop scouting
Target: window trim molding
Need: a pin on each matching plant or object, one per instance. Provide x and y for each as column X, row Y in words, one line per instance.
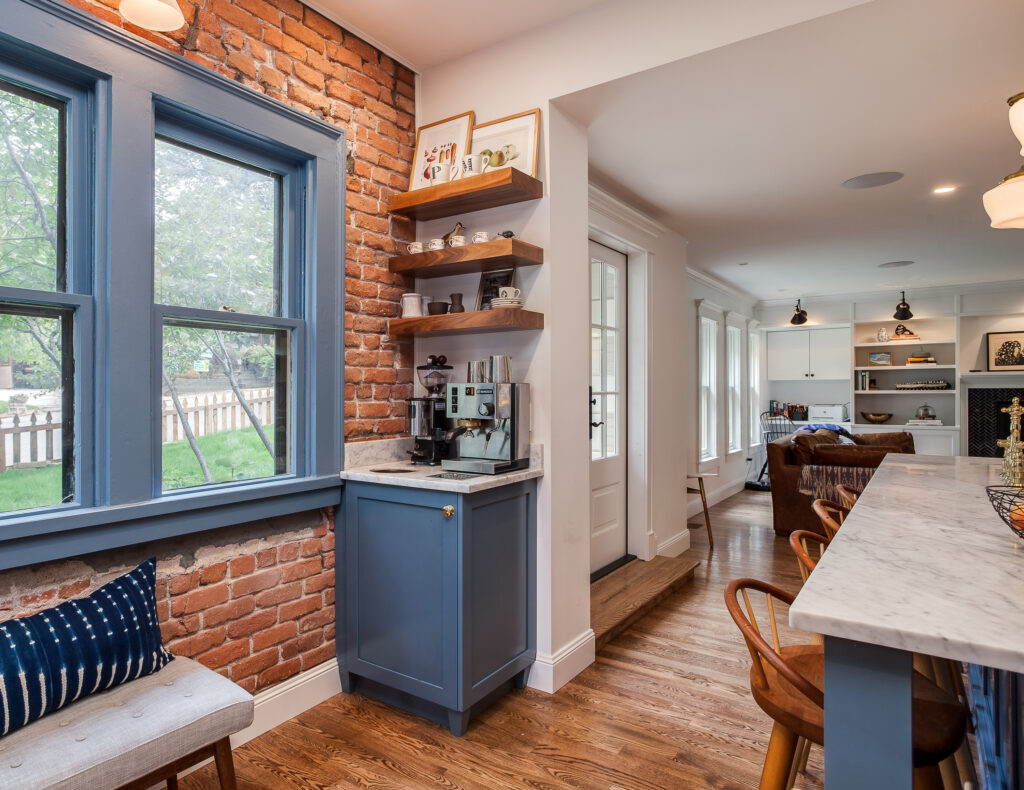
column 712, row 312
column 131, row 83
column 753, row 329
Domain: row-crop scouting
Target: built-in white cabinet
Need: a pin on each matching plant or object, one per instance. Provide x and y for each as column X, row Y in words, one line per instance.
column 797, row 354
column 927, row 441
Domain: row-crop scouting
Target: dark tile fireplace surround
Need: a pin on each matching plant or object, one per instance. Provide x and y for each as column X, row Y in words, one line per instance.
column 985, row 423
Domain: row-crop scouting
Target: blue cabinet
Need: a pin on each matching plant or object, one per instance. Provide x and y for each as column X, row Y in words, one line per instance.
column 997, row 704
column 438, row 596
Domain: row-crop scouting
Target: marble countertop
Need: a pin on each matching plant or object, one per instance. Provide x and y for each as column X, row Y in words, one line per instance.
column 923, row 563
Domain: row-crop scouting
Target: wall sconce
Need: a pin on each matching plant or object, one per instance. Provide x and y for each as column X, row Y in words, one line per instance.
column 158, row 15
column 1005, row 203
column 902, row 309
column 799, row 315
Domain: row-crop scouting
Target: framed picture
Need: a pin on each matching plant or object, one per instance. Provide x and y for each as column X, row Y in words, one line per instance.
column 441, row 143
column 880, row 358
column 1005, row 350
column 509, row 142
column 490, row 282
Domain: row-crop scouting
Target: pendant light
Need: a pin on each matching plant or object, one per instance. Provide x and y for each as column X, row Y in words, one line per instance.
column 799, row 315
column 159, row 15
column 1005, row 202
column 903, row 309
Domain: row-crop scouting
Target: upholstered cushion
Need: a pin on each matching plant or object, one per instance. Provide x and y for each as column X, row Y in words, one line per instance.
column 900, row 439
column 804, row 444
column 111, row 738
column 82, row 646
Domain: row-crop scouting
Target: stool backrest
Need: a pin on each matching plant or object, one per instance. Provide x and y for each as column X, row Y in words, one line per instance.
column 761, row 651
column 809, row 548
column 830, row 514
column 848, row 495
column 775, row 426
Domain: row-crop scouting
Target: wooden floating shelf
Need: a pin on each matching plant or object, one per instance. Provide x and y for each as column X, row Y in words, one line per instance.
column 498, row 319
column 489, row 190
column 470, row 259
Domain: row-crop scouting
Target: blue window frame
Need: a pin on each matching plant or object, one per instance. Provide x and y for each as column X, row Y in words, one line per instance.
column 120, row 96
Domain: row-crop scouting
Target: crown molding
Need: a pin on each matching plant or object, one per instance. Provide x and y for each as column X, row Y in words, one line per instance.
column 721, row 285
column 614, row 208
column 912, row 293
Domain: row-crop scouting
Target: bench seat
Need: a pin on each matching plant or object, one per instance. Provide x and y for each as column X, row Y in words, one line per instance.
column 134, row 730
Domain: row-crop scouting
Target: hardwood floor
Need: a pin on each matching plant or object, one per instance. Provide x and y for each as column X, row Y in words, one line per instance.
column 666, row 705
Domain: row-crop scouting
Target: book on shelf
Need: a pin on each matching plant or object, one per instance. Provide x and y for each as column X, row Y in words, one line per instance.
column 924, row 422
column 905, row 337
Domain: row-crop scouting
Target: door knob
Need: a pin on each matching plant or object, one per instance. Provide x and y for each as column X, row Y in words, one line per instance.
column 448, row 511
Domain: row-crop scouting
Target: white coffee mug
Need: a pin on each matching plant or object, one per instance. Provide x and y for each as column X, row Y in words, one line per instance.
column 473, row 165
column 508, row 292
column 411, row 306
column 457, row 241
column 436, row 244
column 416, row 246
column 440, row 172
column 481, row 236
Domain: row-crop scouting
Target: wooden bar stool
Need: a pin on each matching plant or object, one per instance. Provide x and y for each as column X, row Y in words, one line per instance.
column 703, row 500
column 831, row 515
column 848, row 495
column 787, row 683
column 809, row 548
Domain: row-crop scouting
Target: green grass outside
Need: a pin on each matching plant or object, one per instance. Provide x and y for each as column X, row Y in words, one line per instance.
column 231, row 455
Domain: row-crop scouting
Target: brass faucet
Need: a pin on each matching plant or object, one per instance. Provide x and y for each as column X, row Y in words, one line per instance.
column 1013, row 452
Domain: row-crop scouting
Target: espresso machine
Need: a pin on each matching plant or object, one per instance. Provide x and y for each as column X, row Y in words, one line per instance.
column 431, row 438
column 493, row 427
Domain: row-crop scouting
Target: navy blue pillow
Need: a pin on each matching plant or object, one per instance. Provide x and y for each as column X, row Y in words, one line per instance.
column 80, row 647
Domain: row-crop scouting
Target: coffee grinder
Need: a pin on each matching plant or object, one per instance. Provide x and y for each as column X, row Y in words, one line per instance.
column 427, row 421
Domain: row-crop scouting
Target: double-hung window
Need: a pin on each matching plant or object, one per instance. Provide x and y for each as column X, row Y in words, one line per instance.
column 754, row 368
column 734, row 385
column 708, row 324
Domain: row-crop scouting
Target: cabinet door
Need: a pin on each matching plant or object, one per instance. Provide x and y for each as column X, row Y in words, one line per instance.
column 830, row 353
column 936, row 442
column 787, row 355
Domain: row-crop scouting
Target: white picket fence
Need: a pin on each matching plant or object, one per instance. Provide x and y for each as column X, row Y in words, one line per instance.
column 29, row 439
column 213, row 412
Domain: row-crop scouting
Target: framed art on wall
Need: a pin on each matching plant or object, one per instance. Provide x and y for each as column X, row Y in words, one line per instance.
column 509, row 142
column 439, row 146
column 1005, row 350
column 490, row 282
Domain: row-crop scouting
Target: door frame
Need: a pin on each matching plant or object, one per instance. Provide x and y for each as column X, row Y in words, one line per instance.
column 641, row 539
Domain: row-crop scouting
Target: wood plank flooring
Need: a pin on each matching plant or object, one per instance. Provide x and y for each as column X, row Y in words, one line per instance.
column 666, row 705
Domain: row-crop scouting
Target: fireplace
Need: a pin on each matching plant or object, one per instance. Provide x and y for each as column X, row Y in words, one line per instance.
column 985, row 423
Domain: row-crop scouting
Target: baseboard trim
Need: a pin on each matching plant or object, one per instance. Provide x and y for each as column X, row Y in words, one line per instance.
column 550, row 672
column 675, row 545
column 289, row 698
column 693, row 507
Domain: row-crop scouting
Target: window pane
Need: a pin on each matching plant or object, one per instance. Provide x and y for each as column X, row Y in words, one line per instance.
column 224, row 405
column 596, row 360
column 611, row 359
column 611, row 296
column 36, row 408
column 595, row 291
column 754, row 352
column 216, row 233
column 31, row 190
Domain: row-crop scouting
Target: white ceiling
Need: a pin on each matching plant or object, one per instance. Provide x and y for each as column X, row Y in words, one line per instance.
column 422, row 34
column 743, row 149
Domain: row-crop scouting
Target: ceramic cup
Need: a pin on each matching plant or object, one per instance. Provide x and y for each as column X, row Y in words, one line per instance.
column 425, row 304
column 416, row 246
column 439, row 173
column 457, row 241
column 508, row 292
column 473, row 165
column 436, row 244
column 411, row 306
column 481, row 236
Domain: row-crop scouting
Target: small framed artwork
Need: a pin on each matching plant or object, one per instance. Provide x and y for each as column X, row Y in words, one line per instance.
column 490, row 282
column 509, row 142
column 439, row 146
column 1005, row 350
column 880, row 359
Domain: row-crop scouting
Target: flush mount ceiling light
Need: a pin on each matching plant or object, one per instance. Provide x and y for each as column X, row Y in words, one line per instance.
column 943, row 190
column 1005, row 203
column 159, row 15
column 903, row 309
column 869, row 180
column 895, row 264
column 799, row 315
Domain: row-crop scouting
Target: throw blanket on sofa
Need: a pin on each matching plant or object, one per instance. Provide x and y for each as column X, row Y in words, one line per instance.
column 819, row 482
column 828, row 426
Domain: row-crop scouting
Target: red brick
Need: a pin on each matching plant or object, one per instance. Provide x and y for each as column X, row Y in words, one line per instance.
column 213, row 573
column 308, row 641
column 309, row 76
column 232, row 610
column 205, row 597
column 381, row 376
column 191, row 646
column 233, row 39
column 253, row 664
column 309, row 37
column 301, row 569
column 242, row 63
column 75, row 588
column 266, row 558
column 317, row 619
column 240, row 566
column 288, row 552
column 271, row 77
column 313, row 100
column 234, row 16
column 279, row 594
column 297, row 609
column 374, row 410
column 318, row 655
column 343, row 54
column 319, row 582
column 186, row 581
column 259, row 581
column 278, row 673
column 249, row 684
column 311, row 547
column 254, row 622
column 392, row 426
column 274, row 636
column 224, row 655
column 258, row 8
column 321, row 25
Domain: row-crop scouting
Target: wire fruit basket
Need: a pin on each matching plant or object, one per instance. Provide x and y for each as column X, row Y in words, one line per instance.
column 1008, row 502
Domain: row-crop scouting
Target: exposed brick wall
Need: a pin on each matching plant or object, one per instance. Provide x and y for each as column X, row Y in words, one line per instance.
column 254, row 602
column 296, row 55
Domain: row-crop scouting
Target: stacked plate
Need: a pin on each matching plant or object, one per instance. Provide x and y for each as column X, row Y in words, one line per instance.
column 512, row 302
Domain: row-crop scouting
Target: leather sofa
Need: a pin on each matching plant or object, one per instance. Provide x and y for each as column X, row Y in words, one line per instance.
column 788, row 455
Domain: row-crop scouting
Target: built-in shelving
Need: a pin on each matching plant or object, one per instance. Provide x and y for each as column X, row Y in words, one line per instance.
column 905, row 392
column 489, row 190
column 498, row 319
column 858, row 426
column 897, row 343
column 469, row 259
column 906, row 367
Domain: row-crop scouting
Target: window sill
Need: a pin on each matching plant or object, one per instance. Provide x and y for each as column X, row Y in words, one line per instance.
column 56, row 534
column 708, row 465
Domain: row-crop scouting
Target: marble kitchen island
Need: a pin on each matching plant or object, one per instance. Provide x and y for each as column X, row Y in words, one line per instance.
column 922, row 564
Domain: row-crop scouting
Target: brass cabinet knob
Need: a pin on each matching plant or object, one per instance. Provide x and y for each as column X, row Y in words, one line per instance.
column 448, row 510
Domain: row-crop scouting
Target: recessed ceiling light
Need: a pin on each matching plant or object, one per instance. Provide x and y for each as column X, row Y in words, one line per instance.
column 782, row 290
column 895, row 264
column 743, row 263
column 872, row 180
column 943, row 190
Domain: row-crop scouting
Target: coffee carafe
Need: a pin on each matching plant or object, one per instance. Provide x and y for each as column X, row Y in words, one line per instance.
column 493, row 433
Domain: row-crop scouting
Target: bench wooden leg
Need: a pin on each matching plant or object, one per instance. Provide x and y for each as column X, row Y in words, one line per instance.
column 225, row 765
column 172, row 782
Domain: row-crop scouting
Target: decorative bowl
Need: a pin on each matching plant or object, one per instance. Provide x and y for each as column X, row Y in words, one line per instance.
column 437, row 308
column 875, row 418
column 1008, row 502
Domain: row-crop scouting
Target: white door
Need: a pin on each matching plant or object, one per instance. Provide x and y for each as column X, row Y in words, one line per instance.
column 608, row 406
column 787, row 355
column 830, row 353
